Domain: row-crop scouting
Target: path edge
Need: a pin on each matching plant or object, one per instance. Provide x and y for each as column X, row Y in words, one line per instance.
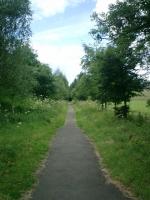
column 109, row 179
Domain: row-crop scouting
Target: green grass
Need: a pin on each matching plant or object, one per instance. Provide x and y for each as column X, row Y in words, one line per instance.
column 139, row 103
column 124, row 145
column 139, row 106
column 24, row 142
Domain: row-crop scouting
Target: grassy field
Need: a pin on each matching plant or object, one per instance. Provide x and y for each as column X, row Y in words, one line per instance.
column 124, row 145
column 139, row 103
column 24, row 141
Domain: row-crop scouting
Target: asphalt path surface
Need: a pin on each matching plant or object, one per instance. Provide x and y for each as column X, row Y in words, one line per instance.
column 72, row 170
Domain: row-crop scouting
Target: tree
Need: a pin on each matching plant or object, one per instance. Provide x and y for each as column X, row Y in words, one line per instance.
column 15, row 19
column 21, row 73
column 17, row 81
column 127, row 25
column 45, row 87
column 131, row 22
column 112, row 78
column 89, row 65
column 79, row 89
column 61, row 86
column 118, row 81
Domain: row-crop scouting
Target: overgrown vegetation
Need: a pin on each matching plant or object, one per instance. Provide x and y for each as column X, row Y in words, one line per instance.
column 115, row 69
column 22, row 75
column 24, row 141
column 122, row 144
column 29, row 112
column 112, row 65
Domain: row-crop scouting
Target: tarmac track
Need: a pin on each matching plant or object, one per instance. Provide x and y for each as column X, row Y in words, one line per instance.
column 72, row 170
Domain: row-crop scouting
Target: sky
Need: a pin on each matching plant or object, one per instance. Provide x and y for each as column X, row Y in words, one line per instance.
column 60, row 28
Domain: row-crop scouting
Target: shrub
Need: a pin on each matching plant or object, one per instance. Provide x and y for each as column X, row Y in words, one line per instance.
column 121, row 112
column 148, row 103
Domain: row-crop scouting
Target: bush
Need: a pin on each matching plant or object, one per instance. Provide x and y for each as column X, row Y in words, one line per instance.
column 121, row 112
column 148, row 103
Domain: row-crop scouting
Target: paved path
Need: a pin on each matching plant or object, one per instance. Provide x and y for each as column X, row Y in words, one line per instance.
column 72, row 169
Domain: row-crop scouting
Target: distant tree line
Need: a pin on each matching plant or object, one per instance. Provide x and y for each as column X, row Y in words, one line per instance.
column 112, row 71
column 22, row 75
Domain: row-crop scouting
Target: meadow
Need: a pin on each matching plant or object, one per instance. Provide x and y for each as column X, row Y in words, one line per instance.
column 25, row 137
column 123, row 145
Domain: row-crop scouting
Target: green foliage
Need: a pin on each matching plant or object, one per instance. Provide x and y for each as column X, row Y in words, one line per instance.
column 122, row 111
column 45, row 82
column 113, row 71
column 107, row 78
column 148, row 102
column 15, row 18
column 61, row 86
column 122, row 144
column 21, row 74
column 26, row 123
column 79, row 88
column 25, row 136
column 131, row 24
column 127, row 25
column 15, row 78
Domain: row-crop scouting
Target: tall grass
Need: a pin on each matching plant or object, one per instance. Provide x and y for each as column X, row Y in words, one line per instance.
column 24, row 141
column 124, row 145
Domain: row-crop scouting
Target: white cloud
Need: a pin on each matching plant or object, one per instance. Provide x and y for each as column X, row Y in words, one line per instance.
column 62, row 47
column 102, row 6
column 45, row 8
column 65, row 57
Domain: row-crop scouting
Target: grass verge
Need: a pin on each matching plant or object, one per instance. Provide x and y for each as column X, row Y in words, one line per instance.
column 124, row 146
column 24, row 141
